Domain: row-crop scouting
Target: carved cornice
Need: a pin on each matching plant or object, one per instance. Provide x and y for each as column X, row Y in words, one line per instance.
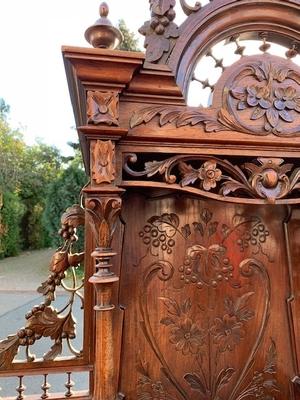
column 103, row 161
column 260, row 96
column 267, row 179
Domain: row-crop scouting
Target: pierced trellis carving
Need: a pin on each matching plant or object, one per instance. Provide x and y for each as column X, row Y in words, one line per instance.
column 44, row 320
column 266, row 178
column 102, row 108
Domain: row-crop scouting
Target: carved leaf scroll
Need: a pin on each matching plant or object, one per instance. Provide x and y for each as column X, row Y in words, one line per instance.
column 181, row 116
column 261, row 96
column 265, row 178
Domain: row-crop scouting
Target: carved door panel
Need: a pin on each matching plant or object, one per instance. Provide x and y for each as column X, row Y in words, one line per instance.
column 204, row 286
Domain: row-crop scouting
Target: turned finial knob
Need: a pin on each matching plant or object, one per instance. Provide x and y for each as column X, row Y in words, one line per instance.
column 103, row 34
column 103, row 10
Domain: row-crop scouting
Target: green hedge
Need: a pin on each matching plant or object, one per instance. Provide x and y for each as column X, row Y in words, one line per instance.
column 63, row 193
column 10, row 216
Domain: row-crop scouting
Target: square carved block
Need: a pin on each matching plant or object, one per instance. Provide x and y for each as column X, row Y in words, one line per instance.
column 102, row 108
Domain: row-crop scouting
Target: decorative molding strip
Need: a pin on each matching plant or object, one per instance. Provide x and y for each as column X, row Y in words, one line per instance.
column 103, row 161
column 102, row 108
column 270, row 179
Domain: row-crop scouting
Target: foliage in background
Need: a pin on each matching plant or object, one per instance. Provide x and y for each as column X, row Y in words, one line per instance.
column 11, row 214
column 130, row 42
column 37, row 184
column 63, row 192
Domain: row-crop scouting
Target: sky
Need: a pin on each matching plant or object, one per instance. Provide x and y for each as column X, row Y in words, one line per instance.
column 32, row 75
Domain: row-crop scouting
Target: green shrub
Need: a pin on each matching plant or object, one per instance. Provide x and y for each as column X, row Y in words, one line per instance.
column 62, row 193
column 11, row 214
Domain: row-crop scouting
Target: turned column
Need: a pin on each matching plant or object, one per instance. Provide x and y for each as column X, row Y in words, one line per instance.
column 103, row 206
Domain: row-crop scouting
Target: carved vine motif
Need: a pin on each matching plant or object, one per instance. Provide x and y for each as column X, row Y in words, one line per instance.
column 103, row 161
column 44, row 320
column 263, row 98
column 102, row 108
column 160, row 30
column 159, row 234
column 205, row 340
column 265, row 178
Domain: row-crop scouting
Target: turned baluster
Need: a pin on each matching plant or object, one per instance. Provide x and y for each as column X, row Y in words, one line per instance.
column 69, row 384
column 45, row 387
column 20, row 389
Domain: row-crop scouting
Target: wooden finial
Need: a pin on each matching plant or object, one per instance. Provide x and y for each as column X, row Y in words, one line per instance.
column 103, row 10
column 103, row 34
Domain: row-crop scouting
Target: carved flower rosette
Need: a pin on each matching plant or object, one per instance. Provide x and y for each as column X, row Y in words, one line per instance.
column 263, row 97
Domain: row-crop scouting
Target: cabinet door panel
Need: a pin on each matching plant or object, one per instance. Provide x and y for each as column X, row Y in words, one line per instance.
column 204, row 286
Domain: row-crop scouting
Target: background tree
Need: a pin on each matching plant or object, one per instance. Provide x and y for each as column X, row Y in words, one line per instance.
column 130, row 42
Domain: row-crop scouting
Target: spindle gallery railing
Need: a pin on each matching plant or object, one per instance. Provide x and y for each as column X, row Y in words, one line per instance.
column 47, row 321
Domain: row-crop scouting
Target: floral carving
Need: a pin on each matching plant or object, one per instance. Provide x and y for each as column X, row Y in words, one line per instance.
column 187, row 337
column 185, row 333
column 160, row 30
column 263, row 98
column 227, row 332
column 272, row 100
column 266, row 178
column 205, row 335
column 102, row 108
column 103, row 161
column 43, row 320
column 208, row 174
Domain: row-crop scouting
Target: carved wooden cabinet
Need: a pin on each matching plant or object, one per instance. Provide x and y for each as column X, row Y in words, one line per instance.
column 205, row 279
column 192, row 215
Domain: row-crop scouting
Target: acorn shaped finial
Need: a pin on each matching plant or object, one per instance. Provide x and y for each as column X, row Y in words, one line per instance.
column 103, row 34
column 103, row 10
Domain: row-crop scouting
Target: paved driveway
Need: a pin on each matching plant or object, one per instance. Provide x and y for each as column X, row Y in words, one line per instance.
column 19, row 279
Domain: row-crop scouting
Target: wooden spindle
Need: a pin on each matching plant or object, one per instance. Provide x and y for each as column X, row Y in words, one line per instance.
column 45, row 387
column 20, row 389
column 69, row 384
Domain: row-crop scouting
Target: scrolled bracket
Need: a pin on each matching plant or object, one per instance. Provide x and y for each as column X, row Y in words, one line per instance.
column 187, row 9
